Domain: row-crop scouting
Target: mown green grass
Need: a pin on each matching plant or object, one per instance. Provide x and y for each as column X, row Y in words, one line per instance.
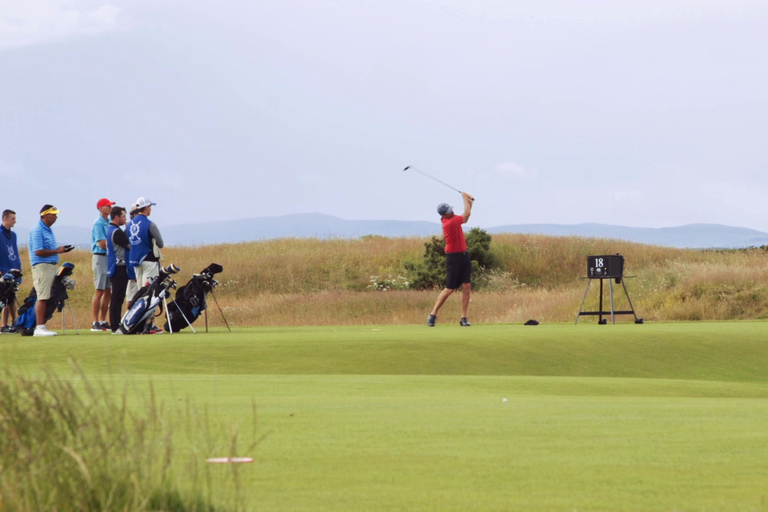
column 624, row 417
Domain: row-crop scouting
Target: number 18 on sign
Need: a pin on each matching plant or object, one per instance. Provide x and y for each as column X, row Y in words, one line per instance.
column 605, row 267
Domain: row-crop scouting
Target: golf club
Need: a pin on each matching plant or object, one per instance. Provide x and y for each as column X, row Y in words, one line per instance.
column 412, row 168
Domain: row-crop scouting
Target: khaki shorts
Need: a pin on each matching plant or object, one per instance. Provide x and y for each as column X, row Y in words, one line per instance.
column 43, row 275
column 147, row 271
column 100, row 277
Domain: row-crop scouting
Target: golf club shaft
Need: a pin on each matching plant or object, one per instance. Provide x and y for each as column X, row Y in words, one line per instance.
column 431, row 177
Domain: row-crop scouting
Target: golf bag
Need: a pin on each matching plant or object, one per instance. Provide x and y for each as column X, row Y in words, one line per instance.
column 27, row 318
column 9, row 285
column 190, row 299
column 147, row 301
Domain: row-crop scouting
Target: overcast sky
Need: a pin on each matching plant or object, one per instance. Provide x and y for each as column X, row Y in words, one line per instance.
column 646, row 113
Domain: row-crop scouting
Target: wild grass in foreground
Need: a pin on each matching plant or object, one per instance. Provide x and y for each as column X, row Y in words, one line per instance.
column 75, row 446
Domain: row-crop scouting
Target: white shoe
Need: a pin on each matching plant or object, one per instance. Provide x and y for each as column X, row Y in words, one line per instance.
column 42, row 330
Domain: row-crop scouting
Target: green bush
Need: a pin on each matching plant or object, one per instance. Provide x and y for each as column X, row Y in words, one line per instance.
column 429, row 273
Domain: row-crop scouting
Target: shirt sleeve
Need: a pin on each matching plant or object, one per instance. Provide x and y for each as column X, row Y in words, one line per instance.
column 99, row 232
column 155, row 233
column 120, row 238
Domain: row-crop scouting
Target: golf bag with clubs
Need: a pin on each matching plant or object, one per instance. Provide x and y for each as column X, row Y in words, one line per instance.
column 190, row 299
column 147, row 303
column 9, row 285
column 27, row 318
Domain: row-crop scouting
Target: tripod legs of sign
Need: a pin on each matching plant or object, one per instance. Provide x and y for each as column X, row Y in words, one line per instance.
column 613, row 311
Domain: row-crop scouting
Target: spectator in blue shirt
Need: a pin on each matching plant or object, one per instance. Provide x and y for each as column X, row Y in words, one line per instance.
column 9, row 260
column 43, row 256
column 103, row 294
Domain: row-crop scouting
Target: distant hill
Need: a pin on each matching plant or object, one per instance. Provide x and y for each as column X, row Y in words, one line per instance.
column 317, row 225
column 695, row 236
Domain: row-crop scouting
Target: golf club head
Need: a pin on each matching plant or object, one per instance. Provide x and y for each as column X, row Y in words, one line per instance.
column 170, row 269
column 65, row 269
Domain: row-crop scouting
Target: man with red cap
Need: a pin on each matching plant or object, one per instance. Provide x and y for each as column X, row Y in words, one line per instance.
column 103, row 294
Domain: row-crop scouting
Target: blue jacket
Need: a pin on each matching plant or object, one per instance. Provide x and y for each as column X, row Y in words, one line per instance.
column 138, row 235
column 112, row 252
column 9, row 251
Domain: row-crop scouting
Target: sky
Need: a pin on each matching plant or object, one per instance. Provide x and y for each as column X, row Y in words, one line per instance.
column 644, row 113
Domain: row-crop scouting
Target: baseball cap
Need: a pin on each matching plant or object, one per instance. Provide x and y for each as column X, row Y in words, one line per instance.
column 143, row 202
column 49, row 208
column 444, row 209
column 104, row 202
column 134, row 208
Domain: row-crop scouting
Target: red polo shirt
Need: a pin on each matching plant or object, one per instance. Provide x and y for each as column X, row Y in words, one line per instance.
column 454, row 235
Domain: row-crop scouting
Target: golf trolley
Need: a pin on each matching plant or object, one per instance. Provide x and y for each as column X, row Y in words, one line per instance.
column 191, row 300
column 610, row 267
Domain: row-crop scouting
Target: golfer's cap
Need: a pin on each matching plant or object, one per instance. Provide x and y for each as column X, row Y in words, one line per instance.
column 444, row 209
column 143, row 202
column 134, row 208
column 49, row 208
column 104, row 202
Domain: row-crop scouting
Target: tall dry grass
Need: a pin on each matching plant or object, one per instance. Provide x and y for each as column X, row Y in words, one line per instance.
column 76, row 445
column 327, row 282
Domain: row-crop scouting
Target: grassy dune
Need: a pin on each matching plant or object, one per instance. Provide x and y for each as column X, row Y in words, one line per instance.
column 498, row 417
column 326, row 282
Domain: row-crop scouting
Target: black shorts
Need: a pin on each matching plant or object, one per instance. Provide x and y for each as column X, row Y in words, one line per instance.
column 458, row 266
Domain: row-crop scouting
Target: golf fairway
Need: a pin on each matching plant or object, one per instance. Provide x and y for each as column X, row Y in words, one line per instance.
column 495, row 417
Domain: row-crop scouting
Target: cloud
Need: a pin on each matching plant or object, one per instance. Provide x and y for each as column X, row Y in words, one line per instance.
column 513, row 170
column 609, row 11
column 11, row 172
column 31, row 22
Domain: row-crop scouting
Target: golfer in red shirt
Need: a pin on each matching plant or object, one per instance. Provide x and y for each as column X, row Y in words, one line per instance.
column 457, row 262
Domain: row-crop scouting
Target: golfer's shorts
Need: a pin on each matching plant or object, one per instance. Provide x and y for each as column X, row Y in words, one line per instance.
column 99, row 266
column 43, row 275
column 146, row 271
column 458, row 266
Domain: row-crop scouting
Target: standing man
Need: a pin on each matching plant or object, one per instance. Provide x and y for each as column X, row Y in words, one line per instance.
column 146, row 242
column 132, row 288
column 9, row 260
column 43, row 257
column 117, row 265
column 457, row 261
column 103, row 293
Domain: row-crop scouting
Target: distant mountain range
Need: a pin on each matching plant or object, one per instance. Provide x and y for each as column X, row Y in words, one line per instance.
column 317, row 225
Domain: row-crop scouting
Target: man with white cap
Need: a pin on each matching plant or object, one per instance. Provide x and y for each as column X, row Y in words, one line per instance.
column 458, row 264
column 132, row 288
column 146, row 242
column 103, row 294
